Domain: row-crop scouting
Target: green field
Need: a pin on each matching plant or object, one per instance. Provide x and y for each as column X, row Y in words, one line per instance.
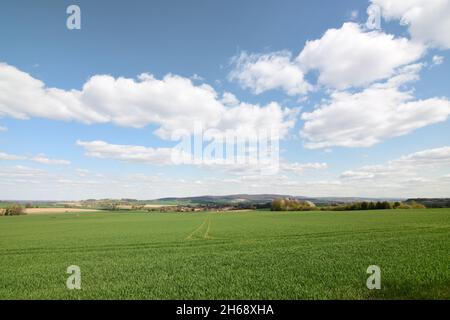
column 246, row 255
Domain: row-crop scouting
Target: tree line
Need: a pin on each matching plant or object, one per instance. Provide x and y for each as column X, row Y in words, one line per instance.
column 298, row 205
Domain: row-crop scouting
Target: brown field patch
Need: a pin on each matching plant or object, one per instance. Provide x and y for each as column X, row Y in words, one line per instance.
column 159, row 205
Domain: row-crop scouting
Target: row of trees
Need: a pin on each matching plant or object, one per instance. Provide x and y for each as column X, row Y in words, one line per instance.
column 378, row 205
column 297, row 205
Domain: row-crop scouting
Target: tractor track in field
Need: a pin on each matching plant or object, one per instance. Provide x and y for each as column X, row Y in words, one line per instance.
column 206, row 236
column 203, row 235
column 192, row 234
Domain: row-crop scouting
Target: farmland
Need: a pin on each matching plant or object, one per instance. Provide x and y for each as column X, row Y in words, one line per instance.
column 241, row 255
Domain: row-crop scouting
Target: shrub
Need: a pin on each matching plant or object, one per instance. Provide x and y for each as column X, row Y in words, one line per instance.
column 415, row 205
column 411, row 205
column 292, row 205
column 278, row 205
column 14, row 210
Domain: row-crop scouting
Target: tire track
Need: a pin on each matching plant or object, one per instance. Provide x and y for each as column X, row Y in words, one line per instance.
column 189, row 237
column 206, row 236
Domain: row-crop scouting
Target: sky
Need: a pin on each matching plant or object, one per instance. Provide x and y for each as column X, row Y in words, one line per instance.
column 354, row 93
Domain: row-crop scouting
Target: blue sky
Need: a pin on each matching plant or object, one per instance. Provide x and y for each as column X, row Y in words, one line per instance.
column 347, row 137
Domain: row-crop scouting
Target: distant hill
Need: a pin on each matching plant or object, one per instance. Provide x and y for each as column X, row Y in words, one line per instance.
column 262, row 199
column 237, row 198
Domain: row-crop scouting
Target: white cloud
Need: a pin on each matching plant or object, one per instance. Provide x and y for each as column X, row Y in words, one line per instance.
column 420, row 174
column 263, row 170
column 82, row 172
column 129, row 153
column 19, row 172
column 372, row 115
column 346, row 57
column 420, row 170
column 3, row 129
column 247, row 164
column 172, row 103
column 428, row 21
column 196, row 77
column 302, row 167
column 41, row 158
column 414, row 167
column 349, row 56
column 229, row 99
column 157, row 156
column 6, row 156
column 437, row 60
column 430, row 157
column 263, row 72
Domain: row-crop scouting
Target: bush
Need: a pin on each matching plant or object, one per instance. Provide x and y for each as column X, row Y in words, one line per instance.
column 411, row 205
column 415, row 205
column 292, row 205
column 278, row 205
column 14, row 210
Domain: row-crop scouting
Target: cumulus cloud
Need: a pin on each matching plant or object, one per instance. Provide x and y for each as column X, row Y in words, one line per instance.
column 3, row 129
column 129, row 153
column 240, row 164
column 172, row 103
column 263, row 72
column 379, row 112
column 430, row 157
column 6, row 156
column 415, row 167
column 428, row 21
column 352, row 57
column 19, row 172
column 419, row 174
column 300, row 168
column 158, row 156
column 346, row 57
column 437, row 60
column 41, row 158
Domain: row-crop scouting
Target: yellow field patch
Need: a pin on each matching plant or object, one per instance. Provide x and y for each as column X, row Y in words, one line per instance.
column 56, row 210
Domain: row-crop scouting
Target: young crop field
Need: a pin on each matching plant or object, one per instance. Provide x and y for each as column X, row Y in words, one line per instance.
column 244, row 255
